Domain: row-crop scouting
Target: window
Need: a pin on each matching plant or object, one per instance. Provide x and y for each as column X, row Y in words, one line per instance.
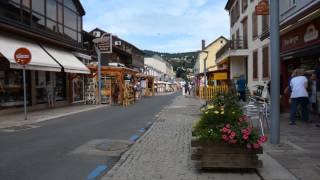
column 10, row 11
column 288, row 4
column 26, row 3
column 70, row 18
column 254, row 25
column 70, row 4
column 255, row 64
column 244, row 5
column 265, row 24
column 38, row 6
column 70, row 33
column 235, row 13
column 37, row 20
column 265, row 63
column 52, row 25
column 52, row 9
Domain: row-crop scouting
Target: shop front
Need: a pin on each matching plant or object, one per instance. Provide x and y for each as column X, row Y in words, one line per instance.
column 49, row 67
column 300, row 48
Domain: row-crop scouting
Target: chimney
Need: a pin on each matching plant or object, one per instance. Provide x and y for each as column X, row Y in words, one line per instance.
column 203, row 43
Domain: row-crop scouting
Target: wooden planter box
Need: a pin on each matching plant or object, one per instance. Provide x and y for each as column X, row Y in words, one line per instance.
column 218, row 155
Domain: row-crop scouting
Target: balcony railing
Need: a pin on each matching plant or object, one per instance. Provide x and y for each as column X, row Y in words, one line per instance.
column 236, row 44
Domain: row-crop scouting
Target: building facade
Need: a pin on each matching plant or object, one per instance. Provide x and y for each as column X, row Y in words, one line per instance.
column 208, row 54
column 300, row 38
column 52, row 31
column 159, row 68
column 247, row 52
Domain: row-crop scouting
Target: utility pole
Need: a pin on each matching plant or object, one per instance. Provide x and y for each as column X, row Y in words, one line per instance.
column 99, row 73
column 205, row 75
column 275, row 71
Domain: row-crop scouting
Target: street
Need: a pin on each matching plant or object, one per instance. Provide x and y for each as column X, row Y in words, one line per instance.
column 47, row 152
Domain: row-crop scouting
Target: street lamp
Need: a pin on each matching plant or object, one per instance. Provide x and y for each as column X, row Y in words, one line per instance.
column 205, row 74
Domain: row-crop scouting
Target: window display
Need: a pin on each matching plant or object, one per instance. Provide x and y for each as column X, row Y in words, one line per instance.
column 11, row 88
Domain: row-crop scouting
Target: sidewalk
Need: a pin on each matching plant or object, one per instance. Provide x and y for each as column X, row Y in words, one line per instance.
column 164, row 151
column 17, row 119
column 299, row 150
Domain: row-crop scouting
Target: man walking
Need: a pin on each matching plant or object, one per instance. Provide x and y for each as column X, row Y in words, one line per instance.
column 241, row 88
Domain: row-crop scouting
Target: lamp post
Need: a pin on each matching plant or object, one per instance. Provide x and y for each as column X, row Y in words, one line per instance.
column 275, row 71
column 205, row 74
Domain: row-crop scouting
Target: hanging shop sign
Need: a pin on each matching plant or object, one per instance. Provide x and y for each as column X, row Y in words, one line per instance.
column 22, row 56
column 262, row 8
column 104, row 43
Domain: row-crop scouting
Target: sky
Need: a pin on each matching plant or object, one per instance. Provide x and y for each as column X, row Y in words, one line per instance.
column 159, row 25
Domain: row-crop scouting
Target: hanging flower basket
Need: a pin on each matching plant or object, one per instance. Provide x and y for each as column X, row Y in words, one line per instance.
column 224, row 138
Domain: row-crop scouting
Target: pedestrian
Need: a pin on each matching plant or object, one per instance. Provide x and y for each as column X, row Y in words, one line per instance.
column 50, row 94
column 241, row 88
column 115, row 92
column 186, row 88
column 312, row 91
column 299, row 96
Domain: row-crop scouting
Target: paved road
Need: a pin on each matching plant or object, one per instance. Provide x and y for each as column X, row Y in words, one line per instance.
column 46, row 152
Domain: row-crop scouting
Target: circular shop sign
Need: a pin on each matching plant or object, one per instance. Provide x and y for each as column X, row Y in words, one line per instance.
column 22, row 56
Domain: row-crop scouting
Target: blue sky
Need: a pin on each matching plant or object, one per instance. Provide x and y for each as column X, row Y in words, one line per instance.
column 159, row 25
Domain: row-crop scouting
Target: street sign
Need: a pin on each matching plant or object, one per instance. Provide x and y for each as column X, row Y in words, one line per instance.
column 262, row 8
column 104, row 43
column 22, row 56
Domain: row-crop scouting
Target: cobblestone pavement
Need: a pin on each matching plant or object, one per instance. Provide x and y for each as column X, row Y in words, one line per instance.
column 164, row 151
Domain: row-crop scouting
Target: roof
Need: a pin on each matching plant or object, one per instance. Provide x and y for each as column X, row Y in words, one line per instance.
column 221, row 37
column 79, row 7
column 229, row 4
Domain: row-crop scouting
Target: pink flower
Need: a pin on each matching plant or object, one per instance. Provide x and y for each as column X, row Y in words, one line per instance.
column 263, row 139
column 245, row 137
column 229, row 131
column 244, row 131
column 225, row 137
column 234, row 141
column 256, row 146
column 228, row 126
column 260, row 143
column 249, row 146
column 224, row 129
column 233, row 134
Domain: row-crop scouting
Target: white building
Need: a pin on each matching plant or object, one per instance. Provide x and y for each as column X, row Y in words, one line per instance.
column 247, row 53
column 159, row 68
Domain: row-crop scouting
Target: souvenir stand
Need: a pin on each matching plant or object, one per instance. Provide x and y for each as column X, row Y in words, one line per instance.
column 147, row 84
column 114, row 82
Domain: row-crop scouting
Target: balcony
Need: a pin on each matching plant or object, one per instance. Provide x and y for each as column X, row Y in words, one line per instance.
column 232, row 45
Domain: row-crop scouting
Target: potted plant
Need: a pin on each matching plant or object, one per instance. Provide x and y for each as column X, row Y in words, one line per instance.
column 224, row 137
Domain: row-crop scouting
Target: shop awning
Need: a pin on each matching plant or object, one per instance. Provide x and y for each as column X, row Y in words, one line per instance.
column 67, row 60
column 40, row 59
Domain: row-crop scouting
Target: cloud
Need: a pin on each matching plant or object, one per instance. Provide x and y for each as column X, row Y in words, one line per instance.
column 161, row 25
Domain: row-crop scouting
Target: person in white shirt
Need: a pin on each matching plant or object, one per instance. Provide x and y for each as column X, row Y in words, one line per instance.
column 299, row 96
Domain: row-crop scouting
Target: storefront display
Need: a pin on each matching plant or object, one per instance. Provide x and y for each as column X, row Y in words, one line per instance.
column 11, row 87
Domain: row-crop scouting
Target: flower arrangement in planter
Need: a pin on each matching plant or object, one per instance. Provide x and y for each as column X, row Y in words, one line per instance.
column 223, row 132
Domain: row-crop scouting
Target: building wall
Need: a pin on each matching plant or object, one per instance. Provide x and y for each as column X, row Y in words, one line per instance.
column 290, row 8
column 253, row 44
column 237, row 66
column 156, row 63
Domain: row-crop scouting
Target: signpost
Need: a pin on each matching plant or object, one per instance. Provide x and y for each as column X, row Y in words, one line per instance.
column 103, row 45
column 23, row 57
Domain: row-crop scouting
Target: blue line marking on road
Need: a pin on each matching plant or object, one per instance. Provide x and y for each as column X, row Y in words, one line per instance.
column 97, row 171
column 134, row 137
column 142, row 130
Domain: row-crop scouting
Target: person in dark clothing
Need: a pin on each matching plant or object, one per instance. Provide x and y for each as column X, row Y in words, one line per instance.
column 186, row 88
column 241, row 88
